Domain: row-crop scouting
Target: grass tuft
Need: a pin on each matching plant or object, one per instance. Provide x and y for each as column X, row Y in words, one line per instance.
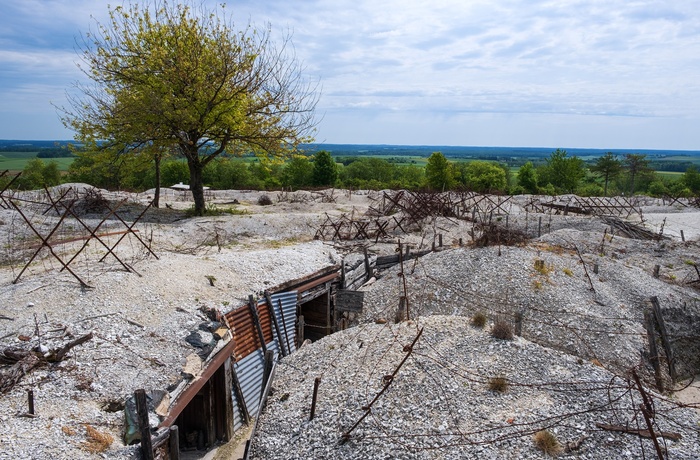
column 96, row 442
column 547, row 443
column 498, row 384
column 479, row 320
column 502, row 330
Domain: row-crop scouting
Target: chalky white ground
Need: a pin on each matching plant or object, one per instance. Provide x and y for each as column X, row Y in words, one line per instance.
column 269, row 245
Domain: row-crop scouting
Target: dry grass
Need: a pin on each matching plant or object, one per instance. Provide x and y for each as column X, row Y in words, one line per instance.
column 542, row 268
column 502, row 330
column 498, row 384
column 547, row 443
column 96, row 442
column 479, row 320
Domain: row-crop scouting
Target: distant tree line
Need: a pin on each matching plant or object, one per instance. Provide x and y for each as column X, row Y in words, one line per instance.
column 560, row 173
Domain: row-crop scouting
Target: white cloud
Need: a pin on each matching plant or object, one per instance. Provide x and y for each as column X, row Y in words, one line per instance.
column 593, row 62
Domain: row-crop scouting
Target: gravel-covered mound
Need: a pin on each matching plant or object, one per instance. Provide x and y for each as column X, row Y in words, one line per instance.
column 445, row 402
column 564, row 304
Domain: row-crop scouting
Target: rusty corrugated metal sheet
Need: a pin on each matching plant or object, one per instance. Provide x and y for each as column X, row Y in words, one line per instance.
column 244, row 332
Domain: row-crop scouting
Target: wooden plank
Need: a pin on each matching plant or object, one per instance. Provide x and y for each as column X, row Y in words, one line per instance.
column 349, row 301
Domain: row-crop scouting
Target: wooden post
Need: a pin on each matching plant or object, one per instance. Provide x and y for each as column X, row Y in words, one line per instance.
column 368, row 266
column 317, row 382
column 650, row 326
column 657, row 268
column 256, row 320
column 300, row 332
column 240, row 400
column 461, row 243
column 275, row 324
column 342, row 274
column 664, row 338
column 519, row 323
column 174, row 443
column 144, row 427
column 539, row 227
column 30, row 401
column 269, row 360
column 682, row 236
column 226, row 411
column 440, row 240
column 595, row 268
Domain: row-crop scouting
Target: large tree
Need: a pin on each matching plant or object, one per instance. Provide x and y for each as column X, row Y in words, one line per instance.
column 608, row 167
column 180, row 77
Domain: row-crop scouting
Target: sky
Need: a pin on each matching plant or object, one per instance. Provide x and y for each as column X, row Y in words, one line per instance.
column 563, row 74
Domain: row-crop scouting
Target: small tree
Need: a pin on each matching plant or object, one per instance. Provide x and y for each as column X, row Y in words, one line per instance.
column 179, row 77
column 439, row 173
column 298, row 172
column 37, row 174
column 483, row 176
column 325, row 172
column 562, row 171
column 527, row 177
column 635, row 165
column 608, row 167
column 691, row 179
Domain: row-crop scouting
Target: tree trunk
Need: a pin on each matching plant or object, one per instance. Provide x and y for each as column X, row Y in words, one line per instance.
column 196, row 184
column 156, row 197
column 605, row 190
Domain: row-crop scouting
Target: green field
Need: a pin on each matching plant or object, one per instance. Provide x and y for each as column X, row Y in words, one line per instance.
column 16, row 161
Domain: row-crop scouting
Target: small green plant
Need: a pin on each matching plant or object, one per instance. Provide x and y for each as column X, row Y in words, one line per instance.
column 568, row 272
column 537, row 285
column 542, row 268
column 689, row 262
column 502, row 330
column 225, row 303
column 211, row 279
column 479, row 320
column 547, row 443
column 498, row 384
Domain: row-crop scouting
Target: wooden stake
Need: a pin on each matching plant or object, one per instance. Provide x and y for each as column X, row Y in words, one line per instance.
column 650, row 326
column 144, row 427
column 317, row 382
column 665, row 340
column 30, row 401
